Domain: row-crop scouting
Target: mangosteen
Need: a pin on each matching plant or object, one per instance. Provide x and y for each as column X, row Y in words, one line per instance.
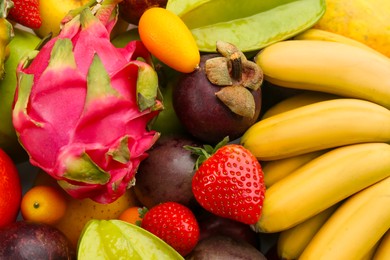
column 225, row 247
column 28, row 240
column 222, row 97
column 132, row 10
column 166, row 174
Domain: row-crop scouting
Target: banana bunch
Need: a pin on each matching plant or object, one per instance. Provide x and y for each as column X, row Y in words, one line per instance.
column 321, row 183
column 278, row 169
column 356, row 80
column 6, row 33
column 293, row 241
column 356, row 228
column 326, row 151
column 298, row 100
column 382, row 251
column 336, row 67
column 321, row 125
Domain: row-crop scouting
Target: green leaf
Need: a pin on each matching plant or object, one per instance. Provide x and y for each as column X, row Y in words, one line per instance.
column 206, row 151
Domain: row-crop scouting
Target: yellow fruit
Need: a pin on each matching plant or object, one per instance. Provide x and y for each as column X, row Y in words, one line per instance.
column 366, row 21
column 79, row 212
column 167, row 37
column 52, row 12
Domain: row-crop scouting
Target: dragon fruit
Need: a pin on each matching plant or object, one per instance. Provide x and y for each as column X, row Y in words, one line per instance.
column 83, row 107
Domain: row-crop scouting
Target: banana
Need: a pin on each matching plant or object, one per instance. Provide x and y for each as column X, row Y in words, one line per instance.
column 293, row 241
column 355, row 227
column 327, row 66
column 317, row 126
column 370, row 254
column 321, row 183
column 322, row 35
column 298, row 100
column 382, row 252
column 278, row 169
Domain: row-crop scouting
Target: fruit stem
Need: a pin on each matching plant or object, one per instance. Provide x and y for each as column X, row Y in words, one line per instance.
column 236, row 66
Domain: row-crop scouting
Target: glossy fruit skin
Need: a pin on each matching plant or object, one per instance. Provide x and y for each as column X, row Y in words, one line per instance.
column 26, row 12
column 131, row 10
column 43, row 204
column 10, row 190
column 230, row 184
column 211, row 225
column 175, row 224
column 27, row 240
column 202, row 113
column 225, row 247
column 166, row 175
column 166, row 36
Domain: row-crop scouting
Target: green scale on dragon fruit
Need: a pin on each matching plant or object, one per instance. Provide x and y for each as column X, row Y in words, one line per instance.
column 82, row 106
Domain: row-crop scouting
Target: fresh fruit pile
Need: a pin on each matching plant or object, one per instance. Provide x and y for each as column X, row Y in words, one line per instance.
column 195, row 129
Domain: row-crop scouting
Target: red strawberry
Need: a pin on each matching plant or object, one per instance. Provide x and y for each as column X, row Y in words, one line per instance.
column 26, row 12
column 175, row 224
column 230, row 182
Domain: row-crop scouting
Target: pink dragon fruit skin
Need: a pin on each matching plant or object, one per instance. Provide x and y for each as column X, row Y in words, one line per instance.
column 82, row 107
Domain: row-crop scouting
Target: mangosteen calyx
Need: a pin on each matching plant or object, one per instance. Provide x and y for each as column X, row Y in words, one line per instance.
column 237, row 76
column 240, row 100
column 217, row 71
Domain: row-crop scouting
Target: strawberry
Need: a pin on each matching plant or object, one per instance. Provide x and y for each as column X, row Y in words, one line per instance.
column 26, row 12
column 175, row 224
column 229, row 182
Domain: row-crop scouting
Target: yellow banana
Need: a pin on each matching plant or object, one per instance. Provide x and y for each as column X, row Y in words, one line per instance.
column 278, row 169
column 322, row 35
column 293, row 241
column 327, row 66
column 355, row 227
column 298, row 100
column 317, row 126
column 382, row 252
column 370, row 254
column 321, row 183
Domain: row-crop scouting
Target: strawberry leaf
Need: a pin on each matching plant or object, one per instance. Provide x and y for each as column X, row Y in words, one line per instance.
column 205, row 152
